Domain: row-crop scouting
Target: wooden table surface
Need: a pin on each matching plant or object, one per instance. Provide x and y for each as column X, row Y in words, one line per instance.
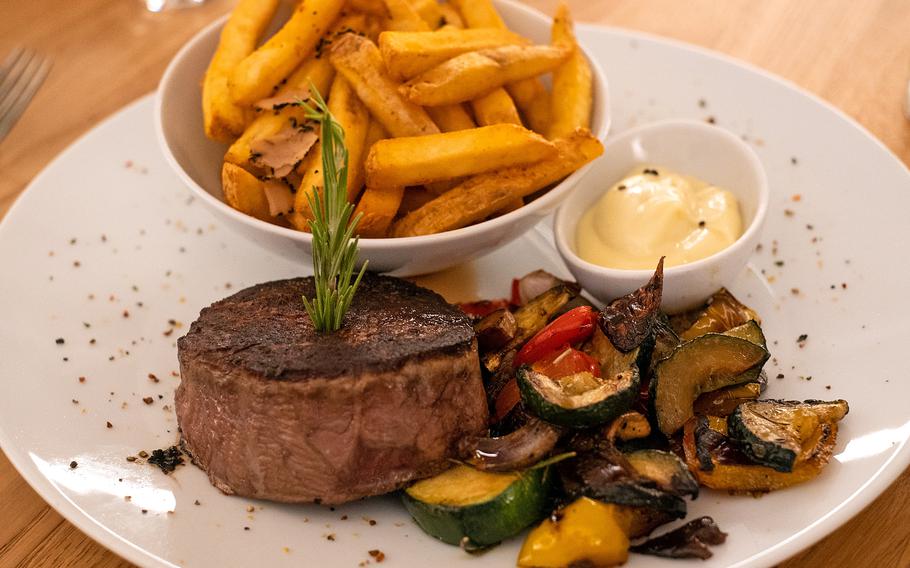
column 108, row 52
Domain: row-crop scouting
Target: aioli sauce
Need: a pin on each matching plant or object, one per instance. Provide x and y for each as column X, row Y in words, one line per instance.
column 656, row 212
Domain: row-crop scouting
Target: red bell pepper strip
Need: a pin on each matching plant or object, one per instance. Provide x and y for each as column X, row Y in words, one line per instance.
column 567, row 361
column 483, row 307
column 574, row 326
column 506, row 400
column 516, row 292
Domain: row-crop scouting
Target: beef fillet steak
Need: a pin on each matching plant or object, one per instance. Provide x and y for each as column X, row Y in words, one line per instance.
column 271, row 409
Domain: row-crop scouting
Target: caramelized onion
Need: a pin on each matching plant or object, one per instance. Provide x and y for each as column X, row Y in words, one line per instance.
column 522, row 448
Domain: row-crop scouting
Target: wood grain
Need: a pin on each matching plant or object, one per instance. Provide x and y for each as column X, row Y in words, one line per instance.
column 108, row 52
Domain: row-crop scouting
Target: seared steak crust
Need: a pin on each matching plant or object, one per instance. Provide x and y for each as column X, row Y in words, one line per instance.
column 273, row 410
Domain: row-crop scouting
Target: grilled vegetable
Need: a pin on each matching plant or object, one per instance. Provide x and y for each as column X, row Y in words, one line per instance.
column 475, row 509
column 688, row 541
column 723, row 402
column 571, row 327
column 567, row 362
column 496, row 329
column 705, row 364
column 666, row 470
column 579, row 400
column 483, row 308
column 531, row 318
column 630, row 426
column 519, row 449
column 729, row 470
column 665, row 341
column 533, row 284
column 627, row 321
column 722, row 312
column 782, row 433
column 585, row 533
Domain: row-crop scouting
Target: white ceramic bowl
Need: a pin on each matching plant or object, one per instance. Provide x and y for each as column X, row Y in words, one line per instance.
column 197, row 161
column 690, row 147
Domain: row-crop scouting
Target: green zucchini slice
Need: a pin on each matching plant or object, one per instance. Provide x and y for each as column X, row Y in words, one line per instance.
column 475, row 509
column 782, row 433
column 580, row 400
column 665, row 469
column 707, row 363
column 722, row 312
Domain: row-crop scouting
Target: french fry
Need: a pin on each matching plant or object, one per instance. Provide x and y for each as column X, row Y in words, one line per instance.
column 414, row 198
column 478, row 13
column 353, row 117
column 485, row 194
column 407, row 54
column 356, row 176
column 315, row 70
column 224, row 120
column 430, row 11
column 530, row 95
column 572, row 98
column 378, row 205
column 359, row 61
column 419, row 160
column 371, row 7
column 451, row 17
column 476, row 73
column 513, row 205
column 254, row 78
column 244, row 192
column 495, row 107
column 403, row 17
column 450, row 118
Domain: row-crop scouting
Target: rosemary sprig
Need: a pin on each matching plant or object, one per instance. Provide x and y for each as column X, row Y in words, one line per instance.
column 334, row 245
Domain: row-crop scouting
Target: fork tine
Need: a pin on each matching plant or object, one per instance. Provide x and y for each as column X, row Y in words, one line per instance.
column 9, row 118
column 15, row 80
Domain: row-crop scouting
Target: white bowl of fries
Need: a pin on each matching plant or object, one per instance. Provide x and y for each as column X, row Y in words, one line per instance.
column 436, row 185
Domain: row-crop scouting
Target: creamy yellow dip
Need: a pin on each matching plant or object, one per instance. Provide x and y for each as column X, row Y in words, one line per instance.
column 656, row 212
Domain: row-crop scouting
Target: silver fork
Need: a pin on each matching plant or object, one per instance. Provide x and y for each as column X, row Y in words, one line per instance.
column 21, row 74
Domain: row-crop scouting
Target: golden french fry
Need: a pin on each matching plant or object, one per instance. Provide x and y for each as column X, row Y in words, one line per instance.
column 317, row 71
column 495, row 107
column 529, row 94
column 424, row 159
column 356, row 175
column 450, row 118
column 359, row 61
column 255, row 77
column 223, row 119
column 478, row 13
column 532, row 98
column 513, row 205
column 414, row 198
column 485, row 194
column 407, row 54
column 244, row 192
column 572, row 98
column 450, row 16
column 403, row 17
column 430, row 11
column 353, row 117
column 371, row 7
column 378, row 207
column 476, row 73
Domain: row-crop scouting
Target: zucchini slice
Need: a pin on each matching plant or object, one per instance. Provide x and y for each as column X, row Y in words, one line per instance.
column 782, row 433
column 666, row 470
column 580, row 400
column 705, row 364
column 726, row 472
column 722, row 312
column 476, row 509
column 723, row 402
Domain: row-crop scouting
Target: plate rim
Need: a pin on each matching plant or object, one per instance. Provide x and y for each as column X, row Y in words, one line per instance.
column 852, row 505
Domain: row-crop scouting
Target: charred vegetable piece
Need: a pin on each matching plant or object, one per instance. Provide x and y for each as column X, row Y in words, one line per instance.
column 532, row 285
column 629, row 426
column 572, row 327
column 722, row 312
column 476, row 509
column 506, row 400
column 627, row 321
column 612, row 360
column 665, row 341
column 495, row 329
column 746, row 477
column 705, row 364
column 688, row 541
column 782, row 433
column 666, row 470
column 522, row 448
column 483, row 308
column 579, row 400
column 723, row 402
column 584, row 533
column 531, row 318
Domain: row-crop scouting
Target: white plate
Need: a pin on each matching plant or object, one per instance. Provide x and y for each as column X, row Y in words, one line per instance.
column 113, row 182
